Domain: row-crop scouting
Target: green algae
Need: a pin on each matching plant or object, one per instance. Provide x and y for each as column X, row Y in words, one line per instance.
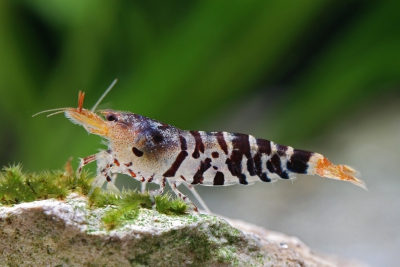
column 17, row 187
column 125, row 206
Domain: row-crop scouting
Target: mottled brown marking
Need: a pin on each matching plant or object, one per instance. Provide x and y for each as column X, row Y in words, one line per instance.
column 219, row 179
column 298, row 162
column 264, row 146
column 240, row 147
column 258, row 164
column 274, row 166
column 250, row 167
column 236, row 162
column 281, row 150
column 231, row 167
column 242, row 179
column 116, row 162
column 132, row 173
column 183, row 142
column 241, row 143
column 204, row 166
column 199, row 146
column 264, row 177
column 137, row 152
column 222, row 142
column 89, row 159
column 177, row 163
column 215, row 155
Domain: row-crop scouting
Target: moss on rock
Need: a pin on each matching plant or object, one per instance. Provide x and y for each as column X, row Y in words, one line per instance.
column 18, row 187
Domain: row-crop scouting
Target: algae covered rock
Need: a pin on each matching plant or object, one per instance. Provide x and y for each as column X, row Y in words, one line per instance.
column 70, row 233
column 66, row 233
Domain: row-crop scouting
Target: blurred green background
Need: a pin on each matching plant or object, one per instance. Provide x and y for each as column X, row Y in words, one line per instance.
column 190, row 64
column 287, row 71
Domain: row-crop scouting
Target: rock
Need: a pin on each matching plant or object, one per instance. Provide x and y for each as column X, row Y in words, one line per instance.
column 67, row 233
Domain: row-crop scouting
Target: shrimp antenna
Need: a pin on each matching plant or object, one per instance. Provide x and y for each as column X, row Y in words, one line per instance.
column 50, row 110
column 104, row 94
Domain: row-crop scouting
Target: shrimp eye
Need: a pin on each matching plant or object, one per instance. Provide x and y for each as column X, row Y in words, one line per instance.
column 111, row 117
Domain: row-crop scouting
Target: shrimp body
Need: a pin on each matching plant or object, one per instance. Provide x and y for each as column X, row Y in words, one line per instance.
column 152, row 151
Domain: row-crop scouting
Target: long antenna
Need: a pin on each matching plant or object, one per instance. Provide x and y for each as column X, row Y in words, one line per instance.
column 104, row 94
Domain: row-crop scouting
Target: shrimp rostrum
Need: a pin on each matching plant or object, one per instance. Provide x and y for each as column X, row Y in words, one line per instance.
column 152, row 151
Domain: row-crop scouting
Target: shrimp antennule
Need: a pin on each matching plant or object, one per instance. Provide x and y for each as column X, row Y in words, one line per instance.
column 58, row 110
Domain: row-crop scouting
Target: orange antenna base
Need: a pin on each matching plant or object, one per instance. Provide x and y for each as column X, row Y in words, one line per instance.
column 81, row 97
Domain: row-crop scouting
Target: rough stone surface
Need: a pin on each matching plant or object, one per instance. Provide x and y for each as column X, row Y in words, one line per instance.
column 55, row 233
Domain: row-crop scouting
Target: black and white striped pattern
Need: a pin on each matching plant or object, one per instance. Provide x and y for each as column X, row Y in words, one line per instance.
column 221, row 158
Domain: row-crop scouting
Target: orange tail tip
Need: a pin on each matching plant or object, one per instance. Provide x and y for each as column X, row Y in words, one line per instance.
column 348, row 170
column 325, row 168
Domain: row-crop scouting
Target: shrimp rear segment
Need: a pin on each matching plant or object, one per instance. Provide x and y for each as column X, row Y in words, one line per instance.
column 221, row 158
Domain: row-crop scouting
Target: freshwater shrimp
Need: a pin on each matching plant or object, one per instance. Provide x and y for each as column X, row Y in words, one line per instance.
column 151, row 151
